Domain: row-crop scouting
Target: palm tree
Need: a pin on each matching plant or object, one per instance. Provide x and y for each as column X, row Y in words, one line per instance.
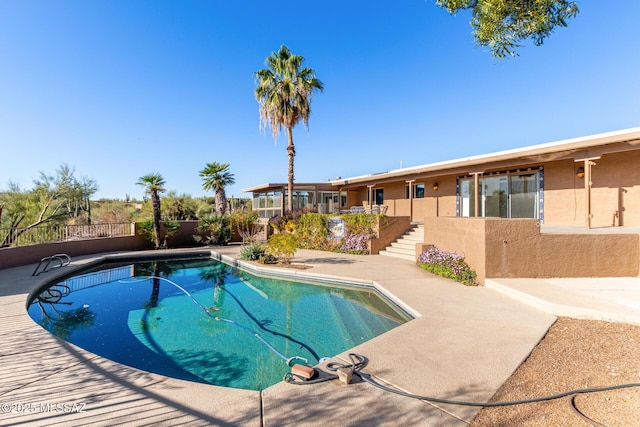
column 154, row 185
column 216, row 176
column 284, row 95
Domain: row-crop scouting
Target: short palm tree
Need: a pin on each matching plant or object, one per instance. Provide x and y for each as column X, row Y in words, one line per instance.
column 284, row 91
column 154, row 185
column 216, row 176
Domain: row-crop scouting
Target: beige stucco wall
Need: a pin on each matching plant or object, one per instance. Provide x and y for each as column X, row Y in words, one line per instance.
column 389, row 228
column 563, row 194
column 399, row 207
column 441, row 202
column 518, row 249
column 465, row 236
column 496, row 247
column 23, row 255
column 615, row 188
column 394, row 190
column 423, row 207
column 355, row 197
column 445, row 196
column 184, row 236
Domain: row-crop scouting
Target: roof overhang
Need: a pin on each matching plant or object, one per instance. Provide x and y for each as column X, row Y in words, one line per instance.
column 588, row 146
column 313, row 186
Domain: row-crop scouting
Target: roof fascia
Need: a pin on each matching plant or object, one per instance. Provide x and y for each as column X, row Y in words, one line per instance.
column 593, row 146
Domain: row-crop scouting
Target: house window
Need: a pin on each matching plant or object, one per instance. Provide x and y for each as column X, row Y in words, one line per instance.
column 509, row 194
column 378, row 196
column 268, row 204
column 303, row 199
column 328, row 201
column 418, row 191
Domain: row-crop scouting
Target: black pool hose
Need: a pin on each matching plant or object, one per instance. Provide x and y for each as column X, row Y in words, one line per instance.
column 358, row 362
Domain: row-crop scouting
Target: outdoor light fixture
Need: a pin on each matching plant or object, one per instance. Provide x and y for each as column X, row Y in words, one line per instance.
column 435, row 186
column 580, row 172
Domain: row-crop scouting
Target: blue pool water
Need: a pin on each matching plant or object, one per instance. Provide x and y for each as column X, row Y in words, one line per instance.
column 204, row 321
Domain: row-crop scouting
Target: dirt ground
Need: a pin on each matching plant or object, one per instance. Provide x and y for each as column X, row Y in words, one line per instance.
column 575, row 354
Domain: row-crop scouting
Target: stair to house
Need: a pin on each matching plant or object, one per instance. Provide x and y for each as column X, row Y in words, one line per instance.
column 405, row 246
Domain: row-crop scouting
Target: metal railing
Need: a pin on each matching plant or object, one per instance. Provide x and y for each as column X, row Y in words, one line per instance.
column 61, row 233
column 59, row 260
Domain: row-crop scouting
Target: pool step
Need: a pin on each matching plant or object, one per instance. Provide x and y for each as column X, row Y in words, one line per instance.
column 354, row 326
column 405, row 246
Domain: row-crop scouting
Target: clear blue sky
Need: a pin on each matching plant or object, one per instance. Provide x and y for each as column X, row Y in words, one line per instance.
column 119, row 89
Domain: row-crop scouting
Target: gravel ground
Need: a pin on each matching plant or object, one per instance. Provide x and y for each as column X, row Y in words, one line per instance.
column 574, row 354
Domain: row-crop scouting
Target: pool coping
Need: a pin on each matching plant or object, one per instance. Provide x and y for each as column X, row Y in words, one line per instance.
column 416, row 356
column 290, row 273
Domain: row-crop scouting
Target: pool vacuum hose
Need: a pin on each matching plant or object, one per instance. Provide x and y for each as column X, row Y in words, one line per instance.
column 289, row 360
column 358, row 362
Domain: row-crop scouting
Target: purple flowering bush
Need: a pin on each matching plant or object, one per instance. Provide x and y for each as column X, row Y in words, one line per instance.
column 311, row 231
column 447, row 264
column 360, row 229
column 355, row 244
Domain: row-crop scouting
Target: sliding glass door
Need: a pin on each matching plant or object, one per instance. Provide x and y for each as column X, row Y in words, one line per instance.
column 523, row 196
column 495, row 200
column 502, row 196
column 467, row 198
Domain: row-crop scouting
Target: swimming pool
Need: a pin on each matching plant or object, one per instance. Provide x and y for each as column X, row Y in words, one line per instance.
column 205, row 321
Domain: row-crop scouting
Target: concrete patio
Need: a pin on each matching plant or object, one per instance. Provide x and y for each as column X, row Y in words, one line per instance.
column 463, row 344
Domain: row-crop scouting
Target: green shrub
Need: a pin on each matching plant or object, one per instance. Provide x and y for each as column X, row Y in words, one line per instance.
column 359, row 230
column 218, row 228
column 278, row 222
column 288, row 221
column 267, row 259
column 252, row 251
column 282, row 246
column 246, row 222
column 362, row 224
column 145, row 228
column 311, row 231
column 171, row 228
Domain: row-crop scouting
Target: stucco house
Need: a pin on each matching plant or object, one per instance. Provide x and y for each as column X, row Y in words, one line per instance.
column 568, row 208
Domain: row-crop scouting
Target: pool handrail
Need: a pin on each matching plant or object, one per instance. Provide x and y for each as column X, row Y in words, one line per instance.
column 62, row 259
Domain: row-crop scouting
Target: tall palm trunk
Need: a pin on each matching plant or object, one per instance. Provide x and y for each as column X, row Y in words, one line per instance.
column 291, row 150
column 221, row 201
column 155, row 201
